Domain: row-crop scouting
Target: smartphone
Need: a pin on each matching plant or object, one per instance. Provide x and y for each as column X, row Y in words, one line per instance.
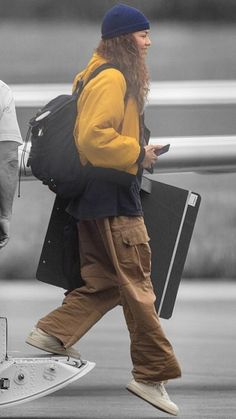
column 158, row 152
column 162, row 150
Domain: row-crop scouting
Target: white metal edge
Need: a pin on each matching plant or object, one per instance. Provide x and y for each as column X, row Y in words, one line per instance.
column 174, row 252
column 163, row 93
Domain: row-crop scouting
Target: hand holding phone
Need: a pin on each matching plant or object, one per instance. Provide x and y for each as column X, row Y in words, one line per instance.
column 158, row 152
column 162, row 150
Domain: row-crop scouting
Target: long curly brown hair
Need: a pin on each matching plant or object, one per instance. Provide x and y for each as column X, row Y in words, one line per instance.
column 124, row 53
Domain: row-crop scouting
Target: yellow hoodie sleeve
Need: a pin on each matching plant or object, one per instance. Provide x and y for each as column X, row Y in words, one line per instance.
column 101, row 113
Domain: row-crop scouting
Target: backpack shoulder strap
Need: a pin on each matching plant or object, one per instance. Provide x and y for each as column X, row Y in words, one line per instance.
column 81, row 83
column 99, row 69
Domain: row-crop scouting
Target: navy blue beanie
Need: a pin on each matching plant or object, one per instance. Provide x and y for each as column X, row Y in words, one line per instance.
column 123, row 19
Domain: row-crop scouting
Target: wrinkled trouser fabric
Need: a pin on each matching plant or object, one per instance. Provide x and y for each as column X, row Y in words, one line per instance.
column 115, row 265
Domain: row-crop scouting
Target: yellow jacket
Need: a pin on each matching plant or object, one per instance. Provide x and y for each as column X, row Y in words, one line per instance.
column 106, row 130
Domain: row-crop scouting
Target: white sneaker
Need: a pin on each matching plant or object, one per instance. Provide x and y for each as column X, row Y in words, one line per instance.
column 154, row 394
column 42, row 340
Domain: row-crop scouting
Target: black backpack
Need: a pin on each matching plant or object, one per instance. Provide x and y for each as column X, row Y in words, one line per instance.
column 54, row 158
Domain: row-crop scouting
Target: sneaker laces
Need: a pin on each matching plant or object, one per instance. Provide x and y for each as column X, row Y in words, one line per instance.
column 160, row 386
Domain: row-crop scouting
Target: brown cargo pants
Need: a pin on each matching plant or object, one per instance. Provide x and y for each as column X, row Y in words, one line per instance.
column 115, row 265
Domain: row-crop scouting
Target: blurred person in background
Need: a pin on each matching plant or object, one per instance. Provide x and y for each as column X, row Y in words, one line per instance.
column 10, row 139
column 114, row 250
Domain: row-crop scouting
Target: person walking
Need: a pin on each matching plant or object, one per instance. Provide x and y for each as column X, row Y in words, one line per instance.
column 10, row 139
column 115, row 254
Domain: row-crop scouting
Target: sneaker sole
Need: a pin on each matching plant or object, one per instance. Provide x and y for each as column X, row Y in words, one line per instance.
column 37, row 345
column 146, row 399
